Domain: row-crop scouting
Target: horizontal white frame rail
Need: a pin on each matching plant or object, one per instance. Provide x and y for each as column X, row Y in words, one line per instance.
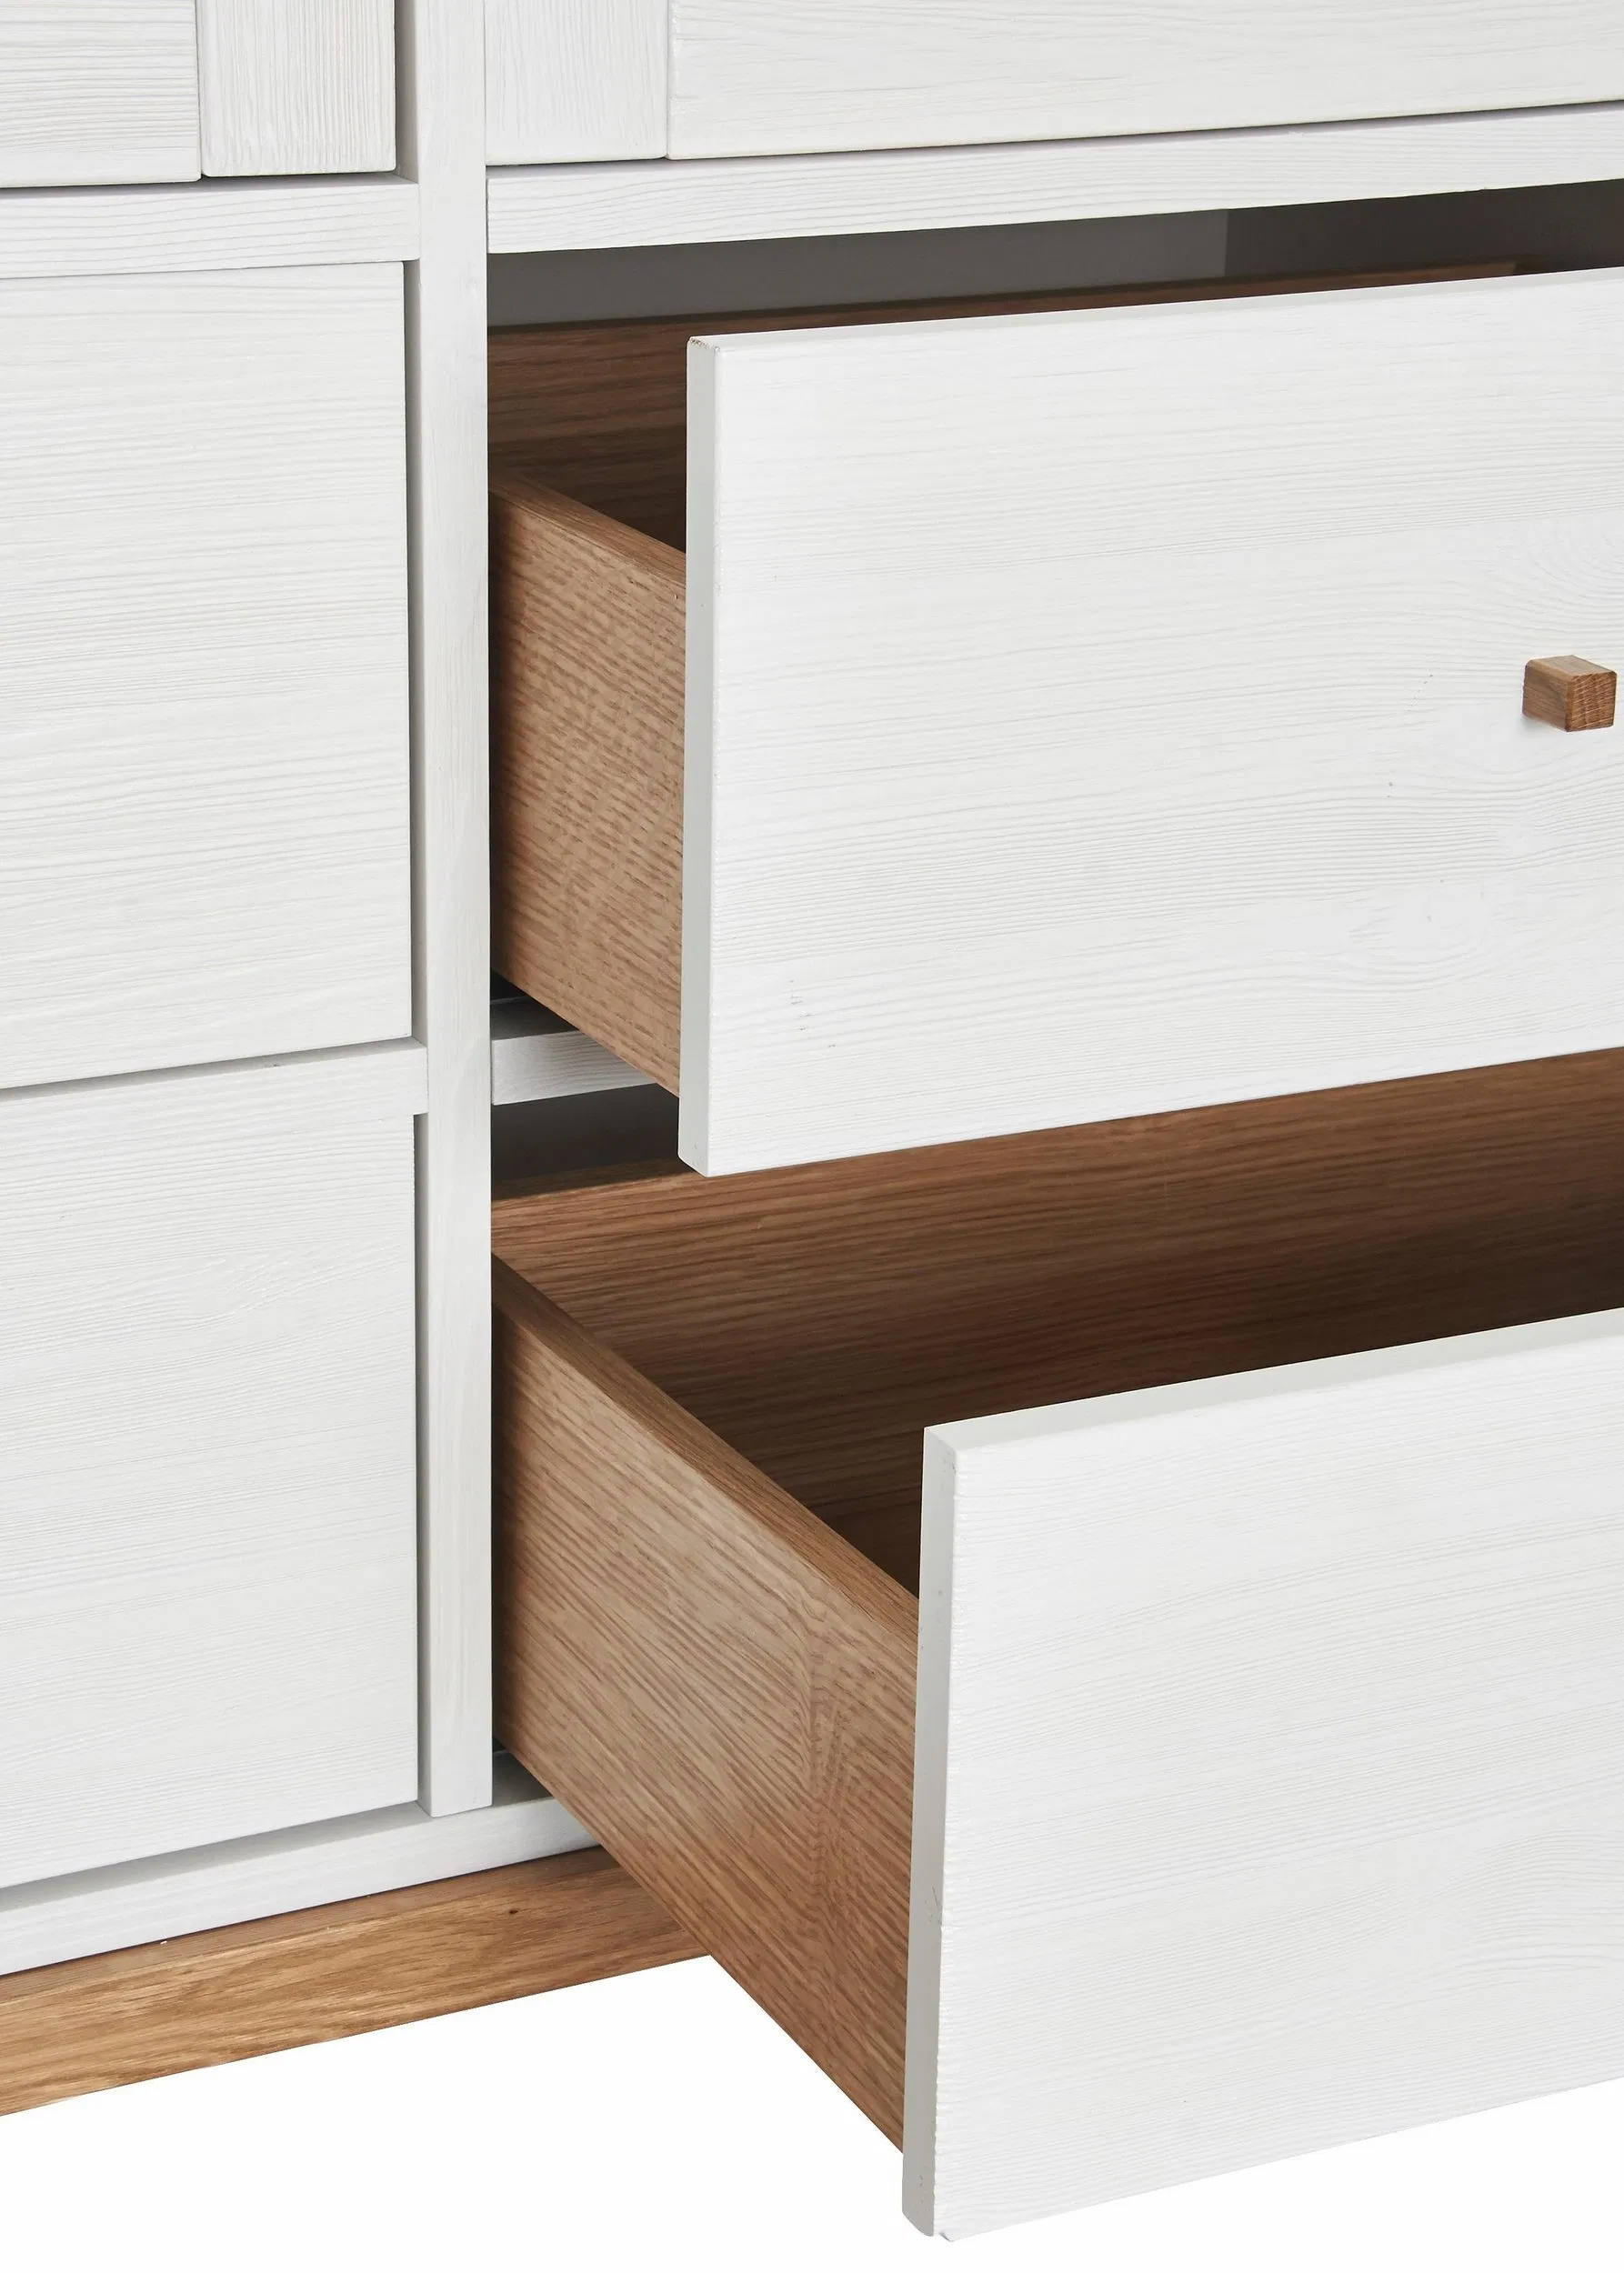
column 571, row 208
column 277, row 1872
column 207, row 224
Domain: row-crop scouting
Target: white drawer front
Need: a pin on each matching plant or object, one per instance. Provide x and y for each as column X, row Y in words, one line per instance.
column 207, row 1503
column 573, row 79
column 1113, row 712
column 762, row 76
column 204, row 764
column 1270, row 1786
column 97, row 91
column 297, row 86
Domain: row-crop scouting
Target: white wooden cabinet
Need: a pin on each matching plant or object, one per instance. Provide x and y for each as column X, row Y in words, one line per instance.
column 204, row 752
column 1052, row 720
column 208, row 1602
column 97, row 91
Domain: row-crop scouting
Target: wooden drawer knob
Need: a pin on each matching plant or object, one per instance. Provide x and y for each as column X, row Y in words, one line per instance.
column 1566, row 691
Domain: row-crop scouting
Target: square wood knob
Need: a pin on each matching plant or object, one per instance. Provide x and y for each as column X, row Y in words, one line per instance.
column 1566, row 691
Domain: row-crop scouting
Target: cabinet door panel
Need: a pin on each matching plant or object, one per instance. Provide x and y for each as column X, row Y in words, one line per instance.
column 207, row 1503
column 203, row 765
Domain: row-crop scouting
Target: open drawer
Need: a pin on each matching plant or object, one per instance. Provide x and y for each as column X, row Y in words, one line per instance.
column 1106, row 711
column 1267, row 1788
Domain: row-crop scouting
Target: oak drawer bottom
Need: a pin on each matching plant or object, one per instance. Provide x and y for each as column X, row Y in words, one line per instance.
column 1269, row 1783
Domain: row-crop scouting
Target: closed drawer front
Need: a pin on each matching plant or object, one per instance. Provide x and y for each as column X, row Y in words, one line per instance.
column 97, row 91
column 296, row 86
column 572, row 79
column 204, row 764
column 1125, row 702
column 163, row 90
column 800, row 74
column 207, row 1556
column 1224, row 1766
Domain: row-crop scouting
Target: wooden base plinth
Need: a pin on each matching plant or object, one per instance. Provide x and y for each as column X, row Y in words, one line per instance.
column 319, row 1974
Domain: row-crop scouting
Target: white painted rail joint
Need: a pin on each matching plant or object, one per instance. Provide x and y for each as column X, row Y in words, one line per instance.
column 535, row 1056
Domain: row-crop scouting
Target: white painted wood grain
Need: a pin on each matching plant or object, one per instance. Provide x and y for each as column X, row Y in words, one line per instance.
column 278, row 1871
column 443, row 146
column 208, row 1561
column 573, row 208
column 296, row 86
column 1270, row 1768
column 569, row 79
column 753, row 76
column 1135, row 695
column 535, row 1056
column 97, row 91
column 204, row 768
column 210, row 225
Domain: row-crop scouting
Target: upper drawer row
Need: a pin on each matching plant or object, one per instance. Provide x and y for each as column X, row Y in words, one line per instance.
column 579, row 79
column 165, row 90
column 1064, row 716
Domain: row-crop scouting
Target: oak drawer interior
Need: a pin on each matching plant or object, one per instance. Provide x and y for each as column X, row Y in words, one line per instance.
column 589, row 457
column 712, row 1396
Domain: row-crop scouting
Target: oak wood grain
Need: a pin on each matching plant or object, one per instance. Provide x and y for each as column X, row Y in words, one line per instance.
column 716, row 1683
column 1566, row 691
column 588, row 667
column 337, row 1971
column 820, row 1318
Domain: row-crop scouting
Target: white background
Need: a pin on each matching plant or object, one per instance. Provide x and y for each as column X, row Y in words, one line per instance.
column 662, row 2121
